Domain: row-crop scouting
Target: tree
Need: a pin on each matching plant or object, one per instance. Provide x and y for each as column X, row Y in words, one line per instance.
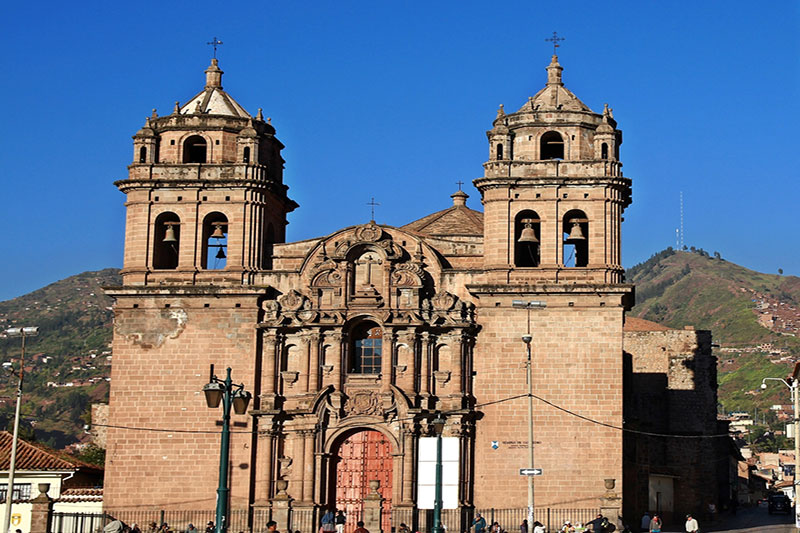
column 94, row 455
column 780, row 272
column 717, row 256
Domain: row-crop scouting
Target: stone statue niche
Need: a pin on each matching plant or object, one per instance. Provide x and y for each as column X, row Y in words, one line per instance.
column 369, row 273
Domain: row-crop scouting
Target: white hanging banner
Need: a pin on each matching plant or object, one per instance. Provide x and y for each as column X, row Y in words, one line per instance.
column 426, row 477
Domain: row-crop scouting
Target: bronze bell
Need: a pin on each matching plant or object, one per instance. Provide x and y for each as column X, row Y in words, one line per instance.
column 218, row 233
column 528, row 235
column 169, row 235
column 220, row 253
column 575, row 234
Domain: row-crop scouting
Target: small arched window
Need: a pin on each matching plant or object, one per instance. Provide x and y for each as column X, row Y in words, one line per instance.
column 527, row 232
column 576, row 239
column 246, row 154
column 551, row 146
column 604, row 151
column 499, row 150
column 215, row 241
column 194, row 149
column 367, row 349
column 143, row 154
column 166, row 243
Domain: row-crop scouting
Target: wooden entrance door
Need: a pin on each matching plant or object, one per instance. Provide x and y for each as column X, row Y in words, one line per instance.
column 359, row 458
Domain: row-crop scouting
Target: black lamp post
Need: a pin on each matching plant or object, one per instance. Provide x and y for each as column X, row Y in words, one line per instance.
column 438, row 427
column 216, row 391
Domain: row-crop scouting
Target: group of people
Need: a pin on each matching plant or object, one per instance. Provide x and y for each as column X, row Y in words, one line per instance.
column 599, row 525
column 653, row 524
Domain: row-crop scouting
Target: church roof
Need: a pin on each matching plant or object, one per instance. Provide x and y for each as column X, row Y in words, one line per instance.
column 633, row 323
column 554, row 96
column 212, row 100
column 36, row 457
column 458, row 220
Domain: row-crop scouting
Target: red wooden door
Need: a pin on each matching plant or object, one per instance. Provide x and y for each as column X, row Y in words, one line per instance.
column 361, row 457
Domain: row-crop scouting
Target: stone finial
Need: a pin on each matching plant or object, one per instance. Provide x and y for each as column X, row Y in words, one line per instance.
column 269, row 121
column 459, row 198
column 154, row 114
column 214, row 75
column 260, row 115
column 554, row 72
column 177, row 109
column 500, row 111
column 198, row 109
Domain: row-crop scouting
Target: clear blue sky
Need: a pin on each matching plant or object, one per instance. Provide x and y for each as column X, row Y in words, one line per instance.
column 392, row 100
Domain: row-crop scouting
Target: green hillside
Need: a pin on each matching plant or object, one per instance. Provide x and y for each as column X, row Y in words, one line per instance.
column 681, row 288
column 74, row 318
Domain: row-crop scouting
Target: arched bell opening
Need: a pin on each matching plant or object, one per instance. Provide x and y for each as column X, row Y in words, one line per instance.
column 194, row 149
column 366, row 348
column 166, row 241
column 246, row 154
column 143, row 154
column 604, row 151
column 551, row 146
column 576, row 239
column 359, row 456
column 499, row 151
column 215, row 241
column 527, row 235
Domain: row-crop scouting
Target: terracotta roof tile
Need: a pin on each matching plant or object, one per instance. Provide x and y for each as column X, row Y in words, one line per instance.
column 37, row 457
column 639, row 324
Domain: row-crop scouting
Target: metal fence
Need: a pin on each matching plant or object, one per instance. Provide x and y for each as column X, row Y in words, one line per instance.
column 305, row 520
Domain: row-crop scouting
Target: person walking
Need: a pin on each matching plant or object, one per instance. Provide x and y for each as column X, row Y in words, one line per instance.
column 328, row 522
column 523, row 527
column 361, row 528
column 599, row 524
column 340, row 521
column 691, row 524
column 272, row 526
column 655, row 524
column 645, row 524
column 538, row 527
column 479, row 523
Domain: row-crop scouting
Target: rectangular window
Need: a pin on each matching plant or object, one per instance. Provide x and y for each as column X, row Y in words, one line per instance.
column 22, row 491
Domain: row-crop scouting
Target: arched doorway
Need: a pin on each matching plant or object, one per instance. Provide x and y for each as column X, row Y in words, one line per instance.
column 358, row 457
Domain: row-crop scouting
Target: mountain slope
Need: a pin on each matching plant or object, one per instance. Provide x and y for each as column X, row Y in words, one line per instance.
column 67, row 363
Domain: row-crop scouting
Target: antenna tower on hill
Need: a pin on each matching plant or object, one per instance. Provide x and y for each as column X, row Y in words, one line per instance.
column 680, row 246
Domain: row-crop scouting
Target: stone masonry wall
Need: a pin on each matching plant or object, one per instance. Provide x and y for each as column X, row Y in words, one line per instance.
column 577, row 365
column 161, row 362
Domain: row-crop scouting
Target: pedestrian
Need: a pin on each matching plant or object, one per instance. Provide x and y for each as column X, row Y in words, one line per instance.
column 523, row 527
column 599, row 524
column 479, row 523
column 495, row 528
column 567, row 527
column 655, row 524
column 645, row 525
column 360, row 528
column 691, row 524
column 328, row 522
column 272, row 526
column 135, row 528
column 153, row 528
column 340, row 521
column 191, row 529
column 404, row 528
column 210, row 527
column 164, row 528
column 538, row 527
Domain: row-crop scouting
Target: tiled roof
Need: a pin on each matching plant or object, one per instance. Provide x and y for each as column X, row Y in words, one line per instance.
column 639, row 324
column 458, row 220
column 81, row 495
column 37, row 457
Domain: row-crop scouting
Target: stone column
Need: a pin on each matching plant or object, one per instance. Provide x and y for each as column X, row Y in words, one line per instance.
column 296, row 474
column 308, row 467
column 425, row 368
column 305, row 358
column 313, row 370
column 269, row 370
column 457, row 362
column 610, row 502
column 41, row 508
column 408, row 467
column 281, row 506
column 263, row 468
column 373, row 503
column 387, row 360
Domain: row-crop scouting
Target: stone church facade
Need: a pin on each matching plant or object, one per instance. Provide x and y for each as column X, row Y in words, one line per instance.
column 351, row 343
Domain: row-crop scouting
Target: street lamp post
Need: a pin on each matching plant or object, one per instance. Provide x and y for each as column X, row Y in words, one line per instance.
column 527, row 338
column 438, row 427
column 793, row 383
column 23, row 333
column 225, row 391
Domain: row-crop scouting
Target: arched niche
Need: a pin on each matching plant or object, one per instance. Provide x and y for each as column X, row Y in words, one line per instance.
column 166, row 241
column 575, row 228
column 551, row 146
column 215, row 241
column 527, row 239
column 195, row 149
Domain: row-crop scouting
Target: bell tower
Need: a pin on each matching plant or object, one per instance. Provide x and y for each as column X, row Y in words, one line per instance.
column 553, row 191
column 205, row 193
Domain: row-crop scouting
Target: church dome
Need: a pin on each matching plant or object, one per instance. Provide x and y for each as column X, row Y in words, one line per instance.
column 212, row 100
column 554, row 96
